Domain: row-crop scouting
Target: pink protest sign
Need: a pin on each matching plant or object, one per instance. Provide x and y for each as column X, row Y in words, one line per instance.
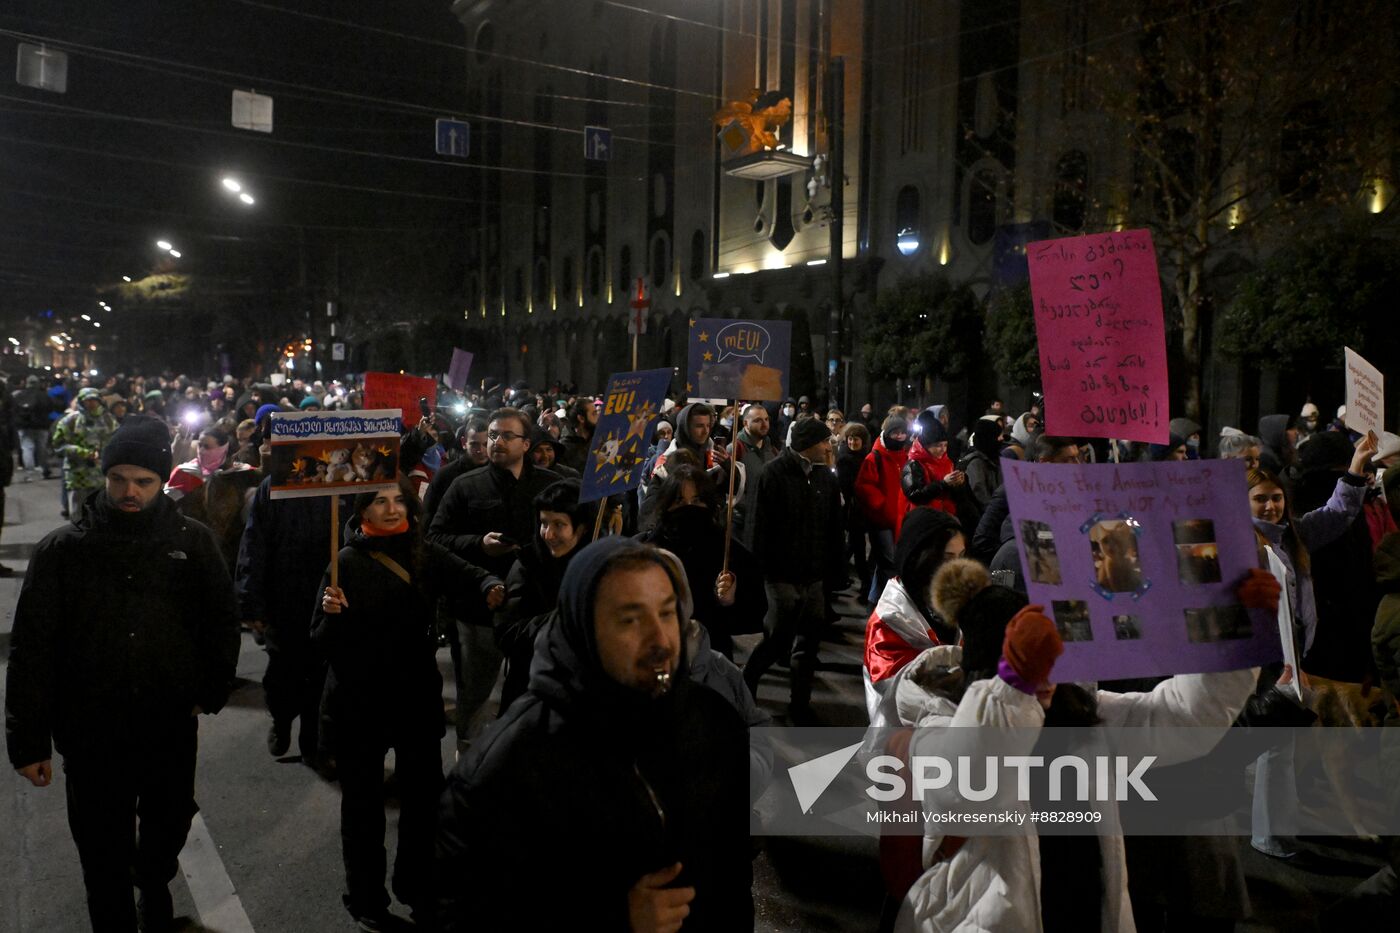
column 1103, row 349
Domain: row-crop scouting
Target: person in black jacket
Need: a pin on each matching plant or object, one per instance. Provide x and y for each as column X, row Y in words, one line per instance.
column 615, row 791
column 124, row 633
column 32, row 409
column 578, row 432
column 280, row 562
column 384, row 690
column 485, row 517
column 801, row 545
column 854, row 449
column 532, row 589
column 690, row 513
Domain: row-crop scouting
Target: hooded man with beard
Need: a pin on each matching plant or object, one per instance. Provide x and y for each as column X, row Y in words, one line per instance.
column 124, row 633
column 631, row 777
column 532, row 588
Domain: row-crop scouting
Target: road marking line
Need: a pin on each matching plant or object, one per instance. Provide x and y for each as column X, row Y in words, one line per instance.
column 214, row 896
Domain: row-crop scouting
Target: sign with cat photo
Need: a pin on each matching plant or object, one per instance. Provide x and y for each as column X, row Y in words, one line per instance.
column 1138, row 563
column 738, row 359
column 331, row 453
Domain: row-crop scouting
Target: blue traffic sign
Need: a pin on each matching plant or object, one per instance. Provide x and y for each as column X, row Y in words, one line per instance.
column 454, row 138
column 597, row 143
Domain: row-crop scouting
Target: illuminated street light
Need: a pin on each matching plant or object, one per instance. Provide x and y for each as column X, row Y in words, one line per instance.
column 126, row 278
column 246, row 198
column 14, row 341
column 232, row 185
column 87, row 317
column 175, row 253
column 164, row 244
column 96, row 323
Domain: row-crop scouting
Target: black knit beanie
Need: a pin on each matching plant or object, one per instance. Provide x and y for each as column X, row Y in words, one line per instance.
column 808, row 433
column 140, row 441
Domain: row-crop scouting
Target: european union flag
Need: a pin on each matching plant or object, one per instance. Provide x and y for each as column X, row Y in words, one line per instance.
column 738, row 359
column 622, row 438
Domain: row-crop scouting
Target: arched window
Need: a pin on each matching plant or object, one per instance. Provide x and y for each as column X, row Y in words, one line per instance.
column 595, row 271
column 1071, row 191
column 906, row 219
column 485, row 43
column 982, row 205
column 660, row 260
column 624, row 267
column 697, row 254
column 566, row 278
column 541, row 283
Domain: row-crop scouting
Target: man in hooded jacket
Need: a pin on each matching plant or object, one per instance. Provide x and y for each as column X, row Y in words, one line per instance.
column 635, row 776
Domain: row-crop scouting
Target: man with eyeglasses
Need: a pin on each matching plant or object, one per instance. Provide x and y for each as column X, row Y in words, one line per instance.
column 484, row 518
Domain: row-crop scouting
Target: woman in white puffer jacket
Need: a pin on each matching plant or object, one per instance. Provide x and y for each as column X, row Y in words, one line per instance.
column 993, row 883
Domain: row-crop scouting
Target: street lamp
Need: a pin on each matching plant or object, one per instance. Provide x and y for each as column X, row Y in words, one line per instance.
column 246, row 198
column 233, row 185
column 175, row 254
column 164, row 244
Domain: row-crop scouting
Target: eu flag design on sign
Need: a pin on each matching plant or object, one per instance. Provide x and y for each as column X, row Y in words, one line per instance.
column 623, row 436
column 738, row 359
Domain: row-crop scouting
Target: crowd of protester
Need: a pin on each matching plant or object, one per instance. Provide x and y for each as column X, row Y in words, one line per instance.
column 622, row 729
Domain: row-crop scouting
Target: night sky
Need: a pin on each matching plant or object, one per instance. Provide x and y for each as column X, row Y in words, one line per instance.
column 136, row 148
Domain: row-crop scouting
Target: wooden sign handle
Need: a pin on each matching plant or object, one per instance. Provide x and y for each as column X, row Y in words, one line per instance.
column 729, row 511
column 598, row 522
column 335, row 541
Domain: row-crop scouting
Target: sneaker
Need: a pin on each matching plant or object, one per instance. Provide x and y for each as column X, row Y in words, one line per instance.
column 279, row 738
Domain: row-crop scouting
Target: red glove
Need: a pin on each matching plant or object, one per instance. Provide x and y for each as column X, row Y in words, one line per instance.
column 1031, row 645
column 1259, row 590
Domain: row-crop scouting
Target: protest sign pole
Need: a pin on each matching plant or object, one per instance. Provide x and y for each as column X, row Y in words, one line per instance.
column 729, row 515
column 598, row 522
column 335, row 540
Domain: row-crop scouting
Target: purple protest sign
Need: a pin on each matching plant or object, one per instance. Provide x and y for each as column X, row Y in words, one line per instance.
column 459, row 369
column 1138, row 563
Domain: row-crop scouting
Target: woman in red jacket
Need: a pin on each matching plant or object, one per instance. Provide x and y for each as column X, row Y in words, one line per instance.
column 880, row 497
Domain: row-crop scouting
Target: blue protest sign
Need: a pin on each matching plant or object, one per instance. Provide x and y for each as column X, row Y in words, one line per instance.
column 622, row 438
column 738, row 359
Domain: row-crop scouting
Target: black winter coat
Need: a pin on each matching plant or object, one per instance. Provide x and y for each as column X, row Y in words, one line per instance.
column 799, row 536
column 281, row 559
column 382, row 649
column 584, row 786
column 699, row 543
column 532, row 595
column 124, row 624
column 1344, row 586
column 486, row 500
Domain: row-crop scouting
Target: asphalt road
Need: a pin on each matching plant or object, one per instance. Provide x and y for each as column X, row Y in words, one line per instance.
column 265, row 852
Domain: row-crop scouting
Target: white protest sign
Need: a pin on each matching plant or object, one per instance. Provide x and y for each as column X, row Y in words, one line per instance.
column 1365, row 395
column 1285, row 621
